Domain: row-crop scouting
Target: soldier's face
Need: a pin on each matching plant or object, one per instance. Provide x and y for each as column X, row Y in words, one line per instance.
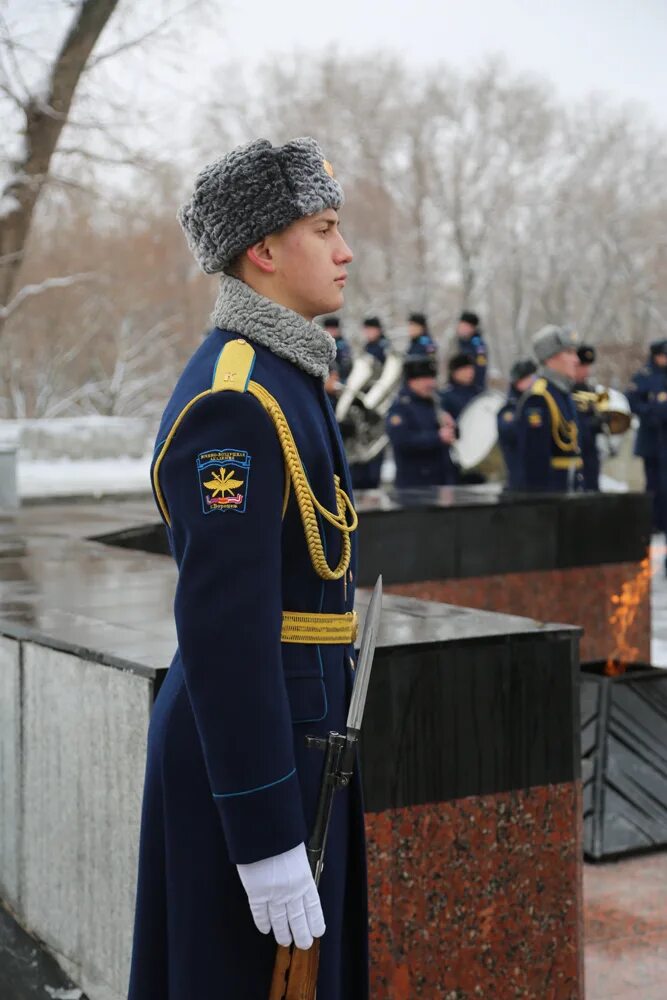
column 423, row 386
column 415, row 329
column 583, row 371
column 464, row 376
column 660, row 360
column 310, row 261
column 465, row 330
column 565, row 362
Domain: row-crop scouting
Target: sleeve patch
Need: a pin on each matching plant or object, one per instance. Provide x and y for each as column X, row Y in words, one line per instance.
column 481, row 359
column 395, row 420
column 534, row 418
column 223, row 479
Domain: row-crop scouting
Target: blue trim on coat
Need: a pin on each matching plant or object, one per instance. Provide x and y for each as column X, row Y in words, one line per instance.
column 249, row 791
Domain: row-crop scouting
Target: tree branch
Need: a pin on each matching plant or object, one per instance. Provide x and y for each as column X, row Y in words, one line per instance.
column 30, row 291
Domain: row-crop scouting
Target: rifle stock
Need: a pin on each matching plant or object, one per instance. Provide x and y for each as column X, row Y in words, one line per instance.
column 295, row 973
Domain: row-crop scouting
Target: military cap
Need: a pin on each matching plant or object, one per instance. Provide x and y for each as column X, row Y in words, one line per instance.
column 420, row 366
column 331, row 322
column 418, row 318
column 469, row 317
column 522, row 368
column 462, row 360
column 374, row 322
column 586, row 354
column 658, row 347
column 255, row 190
column 551, row 340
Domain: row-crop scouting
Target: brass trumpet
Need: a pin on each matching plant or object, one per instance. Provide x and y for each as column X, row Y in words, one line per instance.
column 610, row 405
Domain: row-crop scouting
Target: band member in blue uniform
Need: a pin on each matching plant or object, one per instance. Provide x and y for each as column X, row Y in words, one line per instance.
column 366, row 475
column 420, row 435
column 343, row 352
column 471, row 341
column 647, row 394
column 249, row 475
column 547, row 429
column 377, row 344
column 462, row 387
column 590, row 422
column 421, row 343
column 522, row 376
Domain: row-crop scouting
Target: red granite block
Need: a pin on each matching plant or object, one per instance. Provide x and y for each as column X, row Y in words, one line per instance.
column 479, row 897
column 578, row 596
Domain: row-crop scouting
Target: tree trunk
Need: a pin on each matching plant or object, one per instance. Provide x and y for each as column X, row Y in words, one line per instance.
column 45, row 119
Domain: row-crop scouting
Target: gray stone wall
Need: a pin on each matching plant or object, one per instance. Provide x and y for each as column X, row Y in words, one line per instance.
column 72, row 758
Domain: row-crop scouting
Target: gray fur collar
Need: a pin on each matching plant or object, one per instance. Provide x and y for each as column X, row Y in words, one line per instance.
column 242, row 310
column 561, row 382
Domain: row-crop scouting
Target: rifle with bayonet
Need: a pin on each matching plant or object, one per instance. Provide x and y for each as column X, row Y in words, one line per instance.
column 295, row 970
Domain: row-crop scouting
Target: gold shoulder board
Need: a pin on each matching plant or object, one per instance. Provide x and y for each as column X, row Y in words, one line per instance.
column 234, row 367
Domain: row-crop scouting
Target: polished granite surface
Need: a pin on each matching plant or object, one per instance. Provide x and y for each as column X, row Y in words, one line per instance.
column 115, row 603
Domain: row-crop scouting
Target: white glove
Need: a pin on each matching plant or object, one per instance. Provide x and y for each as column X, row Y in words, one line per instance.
column 283, row 897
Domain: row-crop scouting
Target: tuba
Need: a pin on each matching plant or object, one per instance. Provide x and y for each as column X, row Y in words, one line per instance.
column 363, row 404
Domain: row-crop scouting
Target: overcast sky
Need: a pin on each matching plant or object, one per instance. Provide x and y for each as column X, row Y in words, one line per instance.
column 614, row 46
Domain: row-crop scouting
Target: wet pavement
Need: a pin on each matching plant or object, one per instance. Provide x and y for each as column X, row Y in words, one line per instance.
column 27, row 971
column 625, row 921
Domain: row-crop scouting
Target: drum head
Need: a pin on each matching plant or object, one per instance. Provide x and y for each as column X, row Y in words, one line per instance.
column 478, row 429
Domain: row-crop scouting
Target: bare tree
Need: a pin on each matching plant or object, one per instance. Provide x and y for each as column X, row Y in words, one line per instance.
column 44, row 116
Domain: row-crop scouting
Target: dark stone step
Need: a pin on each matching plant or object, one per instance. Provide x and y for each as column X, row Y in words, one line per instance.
column 27, row 968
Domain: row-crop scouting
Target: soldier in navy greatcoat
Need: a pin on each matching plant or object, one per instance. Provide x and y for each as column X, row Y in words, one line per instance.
column 521, row 378
column 647, row 394
column 421, row 437
column 366, row 475
column 343, row 359
column 377, row 344
column 590, row 422
column 462, row 387
column 248, row 455
column 470, row 340
column 421, row 343
column 547, row 426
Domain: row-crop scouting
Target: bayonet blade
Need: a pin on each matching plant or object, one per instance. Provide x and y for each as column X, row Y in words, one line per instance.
column 365, row 659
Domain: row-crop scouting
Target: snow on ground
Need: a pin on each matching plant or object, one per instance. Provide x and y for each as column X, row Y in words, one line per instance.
column 91, row 478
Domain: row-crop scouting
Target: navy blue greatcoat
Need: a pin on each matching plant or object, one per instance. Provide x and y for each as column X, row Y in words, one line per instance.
column 476, row 347
column 343, row 357
column 229, row 779
column 454, row 398
column 547, row 440
column 647, row 395
column 508, row 439
column 421, row 346
column 422, row 459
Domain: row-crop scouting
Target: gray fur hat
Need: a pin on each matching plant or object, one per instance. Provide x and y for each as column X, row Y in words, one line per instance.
column 551, row 340
column 255, row 190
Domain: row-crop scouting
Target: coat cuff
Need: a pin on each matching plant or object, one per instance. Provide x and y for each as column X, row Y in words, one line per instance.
column 260, row 823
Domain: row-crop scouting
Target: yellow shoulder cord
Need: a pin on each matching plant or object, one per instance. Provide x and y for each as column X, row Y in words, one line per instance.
column 306, row 499
column 564, row 432
column 233, row 372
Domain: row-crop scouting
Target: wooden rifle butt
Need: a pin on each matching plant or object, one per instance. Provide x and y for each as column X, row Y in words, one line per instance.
column 295, row 973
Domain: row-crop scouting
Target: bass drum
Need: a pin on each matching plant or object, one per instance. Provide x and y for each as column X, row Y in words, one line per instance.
column 477, row 448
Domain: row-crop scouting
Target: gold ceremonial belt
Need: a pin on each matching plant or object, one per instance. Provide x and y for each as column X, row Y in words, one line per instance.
column 566, row 463
column 299, row 626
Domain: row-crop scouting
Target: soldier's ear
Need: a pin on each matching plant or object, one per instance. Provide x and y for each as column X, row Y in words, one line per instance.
column 261, row 256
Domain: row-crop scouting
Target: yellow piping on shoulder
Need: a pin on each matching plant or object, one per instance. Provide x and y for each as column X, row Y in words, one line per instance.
column 232, row 373
column 564, row 432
